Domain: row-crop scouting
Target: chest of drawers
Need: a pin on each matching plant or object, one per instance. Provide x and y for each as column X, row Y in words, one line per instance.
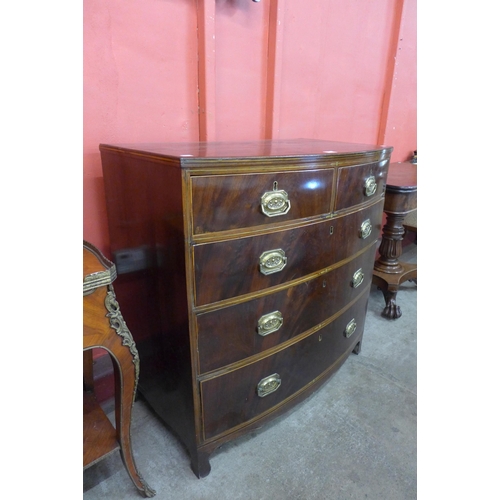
column 244, row 271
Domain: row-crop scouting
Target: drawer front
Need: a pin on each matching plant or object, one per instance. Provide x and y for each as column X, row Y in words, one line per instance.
column 236, row 267
column 223, row 202
column 360, row 184
column 237, row 332
column 296, row 366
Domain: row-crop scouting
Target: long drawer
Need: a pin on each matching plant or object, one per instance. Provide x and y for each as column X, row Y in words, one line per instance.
column 223, row 202
column 234, row 333
column 232, row 268
column 241, row 395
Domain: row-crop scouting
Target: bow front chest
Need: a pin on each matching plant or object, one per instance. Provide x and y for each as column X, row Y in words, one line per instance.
column 244, row 271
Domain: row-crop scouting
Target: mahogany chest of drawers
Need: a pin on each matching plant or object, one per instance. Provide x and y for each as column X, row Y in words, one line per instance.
column 244, row 271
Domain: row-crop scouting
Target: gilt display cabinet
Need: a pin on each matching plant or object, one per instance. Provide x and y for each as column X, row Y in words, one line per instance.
column 244, row 270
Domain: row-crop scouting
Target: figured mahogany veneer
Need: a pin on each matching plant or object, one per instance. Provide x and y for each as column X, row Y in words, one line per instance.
column 228, row 335
column 244, row 269
column 235, row 199
column 298, row 365
column 220, row 265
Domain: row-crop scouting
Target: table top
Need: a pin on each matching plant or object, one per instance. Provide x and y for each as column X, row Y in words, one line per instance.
column 97, row 269
column 402, row 176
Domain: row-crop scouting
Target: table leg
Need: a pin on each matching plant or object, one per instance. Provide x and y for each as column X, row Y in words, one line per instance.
column 126, row 367
column 88, row 370
column 388, row 271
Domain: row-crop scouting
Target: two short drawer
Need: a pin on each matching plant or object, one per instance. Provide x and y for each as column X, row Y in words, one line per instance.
column 227, row 202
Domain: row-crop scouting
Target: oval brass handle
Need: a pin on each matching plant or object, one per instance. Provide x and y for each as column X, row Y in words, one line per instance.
column 370, row 186
column 273, row 203
column 272, row 261
column 350, row 328
column 269, row 323
column 365, row 229
column 268, row 385
column 357, row 278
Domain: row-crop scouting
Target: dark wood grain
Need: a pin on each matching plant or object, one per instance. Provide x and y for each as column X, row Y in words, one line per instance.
column 350, row 184
column 231, row 268
column 402, row 175
column 230, row 334
column 401, row 199
column 190, row 216
column 297, row 365
column 223, row 202
column 289, row 149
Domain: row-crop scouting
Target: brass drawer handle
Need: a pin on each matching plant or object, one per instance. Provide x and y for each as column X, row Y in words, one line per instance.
column 365, row 229
column 370, row 186
column 350, row 328
column 357, row 278
column 269, row 323
column 268, row 385
column 273, row 203
column 272, row 261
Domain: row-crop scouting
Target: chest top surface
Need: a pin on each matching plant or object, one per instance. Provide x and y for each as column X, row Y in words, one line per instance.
column 191, row 153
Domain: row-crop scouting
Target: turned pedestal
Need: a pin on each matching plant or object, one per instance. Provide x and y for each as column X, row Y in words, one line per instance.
column 400, row 199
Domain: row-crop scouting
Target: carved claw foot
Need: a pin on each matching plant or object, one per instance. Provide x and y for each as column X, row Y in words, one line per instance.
column 391, row 310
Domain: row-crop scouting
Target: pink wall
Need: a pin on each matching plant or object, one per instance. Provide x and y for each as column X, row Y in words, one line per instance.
column 334, row 66
column 398, row 124
column 273, row 69
column 140, row 84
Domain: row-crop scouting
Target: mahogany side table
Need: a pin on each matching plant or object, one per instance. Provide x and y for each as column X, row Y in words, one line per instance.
column 104, row 327
column 400, row 200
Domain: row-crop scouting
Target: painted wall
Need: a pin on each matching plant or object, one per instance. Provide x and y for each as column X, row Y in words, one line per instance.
column 187, row 70
column 140, row 84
